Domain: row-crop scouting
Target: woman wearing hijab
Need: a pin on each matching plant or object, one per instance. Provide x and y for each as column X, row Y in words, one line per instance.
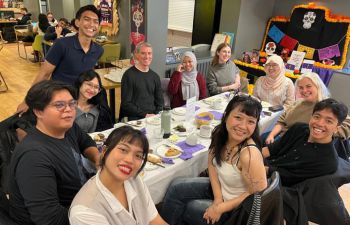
column 275, row 88
column 186, row 82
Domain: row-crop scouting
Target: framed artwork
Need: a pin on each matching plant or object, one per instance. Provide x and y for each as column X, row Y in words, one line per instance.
column 3, row 86
column 137, row 22
column 109, row 16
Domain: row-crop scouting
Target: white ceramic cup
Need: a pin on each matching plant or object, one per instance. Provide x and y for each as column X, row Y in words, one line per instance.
column 192, row 139
column 217, row 104
column 205, row 131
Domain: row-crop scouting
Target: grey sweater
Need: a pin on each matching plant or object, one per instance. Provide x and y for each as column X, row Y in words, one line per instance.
column 221, row 75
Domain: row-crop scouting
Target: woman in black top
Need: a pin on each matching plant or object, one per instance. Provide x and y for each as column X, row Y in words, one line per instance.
column 93, row 112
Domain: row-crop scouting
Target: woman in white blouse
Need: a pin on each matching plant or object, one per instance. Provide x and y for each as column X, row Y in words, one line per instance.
column 275, row 88
column 117, row 195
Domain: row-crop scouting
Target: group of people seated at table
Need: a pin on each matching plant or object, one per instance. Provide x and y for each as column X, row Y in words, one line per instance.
column 47, row 177
column 50, row 185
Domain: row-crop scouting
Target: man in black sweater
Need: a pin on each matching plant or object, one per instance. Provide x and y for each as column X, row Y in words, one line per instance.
column 141, row 93
column 307, row 151
column 46, row 168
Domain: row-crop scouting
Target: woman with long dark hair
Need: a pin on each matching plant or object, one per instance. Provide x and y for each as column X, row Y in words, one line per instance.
column 42, row 25
column 235, row 166
column 93, row 112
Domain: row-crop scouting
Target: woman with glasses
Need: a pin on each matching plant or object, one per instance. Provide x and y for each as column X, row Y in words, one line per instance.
column 186, row 82
column 275, row 88
column 223, row 74
column 117, row 195
column 93, row 112
column 235, row 166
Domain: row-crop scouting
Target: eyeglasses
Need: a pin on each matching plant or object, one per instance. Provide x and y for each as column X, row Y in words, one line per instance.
column 62, row 105
column 92, row 86
column 271, row 65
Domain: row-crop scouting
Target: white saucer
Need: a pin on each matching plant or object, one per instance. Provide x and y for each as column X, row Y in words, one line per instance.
column 199, row 135
column 179, row 111
column 218, row 108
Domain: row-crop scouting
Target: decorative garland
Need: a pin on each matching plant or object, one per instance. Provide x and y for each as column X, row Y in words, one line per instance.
column 329, row 18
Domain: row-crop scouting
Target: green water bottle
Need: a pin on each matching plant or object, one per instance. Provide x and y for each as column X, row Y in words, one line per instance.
column 166, row 122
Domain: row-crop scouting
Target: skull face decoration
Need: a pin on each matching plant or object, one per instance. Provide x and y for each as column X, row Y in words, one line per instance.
column 270, row 48
column 309, row 19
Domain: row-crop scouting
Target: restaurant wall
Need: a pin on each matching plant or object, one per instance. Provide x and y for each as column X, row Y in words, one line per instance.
column 156, row 32
column 253, row 17
column 229, row 16
column 33, row 8
column 124, row 28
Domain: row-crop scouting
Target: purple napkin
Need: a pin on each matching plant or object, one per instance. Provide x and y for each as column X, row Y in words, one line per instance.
column 227, row 95
column 167, row 161
column 217, row 115
column 188, row 150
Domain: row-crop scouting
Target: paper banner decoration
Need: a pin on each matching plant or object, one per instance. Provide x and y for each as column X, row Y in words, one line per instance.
column 275, row 33
column 308, row 50
column 328, row 52
column 288, row 42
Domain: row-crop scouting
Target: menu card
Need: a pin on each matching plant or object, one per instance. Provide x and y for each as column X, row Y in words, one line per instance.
column 190, row 108
column 296, row 59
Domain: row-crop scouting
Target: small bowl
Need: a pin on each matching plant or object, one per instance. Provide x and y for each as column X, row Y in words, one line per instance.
column 204, row 118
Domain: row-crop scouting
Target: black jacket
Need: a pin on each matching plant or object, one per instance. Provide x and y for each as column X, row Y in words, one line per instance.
column 24, row 19
column 50, row 34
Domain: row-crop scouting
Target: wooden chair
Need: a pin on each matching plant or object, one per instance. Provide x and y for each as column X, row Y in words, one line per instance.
column 37, row 46
column 111, row 54
column 21, row 31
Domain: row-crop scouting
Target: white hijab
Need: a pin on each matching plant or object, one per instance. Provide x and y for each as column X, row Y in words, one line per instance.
column 270, row 83
column 189, row 84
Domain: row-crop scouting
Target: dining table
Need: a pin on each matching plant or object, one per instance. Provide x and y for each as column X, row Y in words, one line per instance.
column 193, row 159
column 111, row 80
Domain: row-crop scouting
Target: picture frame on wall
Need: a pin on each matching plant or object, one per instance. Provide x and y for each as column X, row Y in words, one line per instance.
column 3, row 86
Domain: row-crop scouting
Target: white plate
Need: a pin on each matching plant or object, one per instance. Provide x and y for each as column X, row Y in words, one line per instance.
column 179, row 111
column 181, row 134
column 199, row 135
column 218, row 108
column 161, row 150
column 209, row 100
column 150, row 166
column 154, row 120
column 134, row 123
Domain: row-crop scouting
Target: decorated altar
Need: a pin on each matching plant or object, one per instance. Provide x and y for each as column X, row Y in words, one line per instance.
column 321, row 37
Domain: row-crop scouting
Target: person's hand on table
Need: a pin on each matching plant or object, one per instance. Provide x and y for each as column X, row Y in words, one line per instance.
column 212, row 214
column 149, row 115
column 235, row 86
column 22, row 108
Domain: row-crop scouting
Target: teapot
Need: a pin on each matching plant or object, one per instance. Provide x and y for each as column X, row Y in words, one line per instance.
column 192, row 139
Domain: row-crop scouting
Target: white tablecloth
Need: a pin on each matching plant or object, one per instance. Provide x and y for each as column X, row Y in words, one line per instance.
column 159, row 179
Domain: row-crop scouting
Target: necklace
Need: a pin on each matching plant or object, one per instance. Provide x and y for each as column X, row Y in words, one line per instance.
column 229, row 153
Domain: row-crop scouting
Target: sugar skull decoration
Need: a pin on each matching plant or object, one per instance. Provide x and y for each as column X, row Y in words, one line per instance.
column 309, row 19
column 270, row 48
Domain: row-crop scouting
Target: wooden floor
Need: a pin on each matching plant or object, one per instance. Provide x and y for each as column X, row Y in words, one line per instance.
column 19, row 74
